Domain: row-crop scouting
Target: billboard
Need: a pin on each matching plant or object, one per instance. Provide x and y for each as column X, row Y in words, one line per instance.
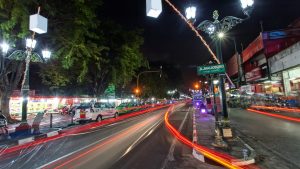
column 276, row 41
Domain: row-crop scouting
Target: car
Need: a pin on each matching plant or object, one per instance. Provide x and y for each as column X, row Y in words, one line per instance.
column 124, row 108
column 94, row 112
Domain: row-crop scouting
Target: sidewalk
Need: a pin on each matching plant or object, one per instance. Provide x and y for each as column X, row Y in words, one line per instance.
column 58, row 121
column 17, row 137
column 205, row 135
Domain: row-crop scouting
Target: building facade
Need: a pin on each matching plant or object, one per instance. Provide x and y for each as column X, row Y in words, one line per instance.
column 271, row 63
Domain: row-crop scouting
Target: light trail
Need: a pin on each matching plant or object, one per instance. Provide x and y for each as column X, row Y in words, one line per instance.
column 275, row 115
column 220, row 158
column 70, row 132
column 194, row 30
column 74, row 160
column 294, row 110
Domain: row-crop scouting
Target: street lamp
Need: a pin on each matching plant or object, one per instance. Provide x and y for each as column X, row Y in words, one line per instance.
column 190, row 13
column 46, row 54
column 153, row 8
column 148, row 71
column 196, row 86
column 30, row 43
column 37, row 24
column 216, row 29
column 221, row 35
column 4, row 47
column 247, row 6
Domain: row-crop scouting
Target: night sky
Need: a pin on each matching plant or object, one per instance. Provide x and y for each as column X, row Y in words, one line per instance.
column 168, row 38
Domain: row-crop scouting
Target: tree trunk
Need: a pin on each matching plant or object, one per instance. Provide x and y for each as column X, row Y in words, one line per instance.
column 5, row 96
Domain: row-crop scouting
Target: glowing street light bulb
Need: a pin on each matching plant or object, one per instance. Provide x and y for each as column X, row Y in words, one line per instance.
column 215, row 82
column 211, row 29
column 221, row 35
column 4, row 47
column 190, row 12
column 247, row 3
column 30, row 43
column 46, row 54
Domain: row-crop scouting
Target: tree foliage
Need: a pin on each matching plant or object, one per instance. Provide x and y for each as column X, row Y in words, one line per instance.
column 95, row 51
column 88, row 52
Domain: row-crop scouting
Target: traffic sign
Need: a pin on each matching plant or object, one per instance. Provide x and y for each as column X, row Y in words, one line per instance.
column 211, row 69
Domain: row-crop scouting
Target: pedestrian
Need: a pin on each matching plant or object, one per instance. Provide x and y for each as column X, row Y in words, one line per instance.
column 37, row 121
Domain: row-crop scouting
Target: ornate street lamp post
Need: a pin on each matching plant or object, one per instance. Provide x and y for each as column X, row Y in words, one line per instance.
column 217, row 30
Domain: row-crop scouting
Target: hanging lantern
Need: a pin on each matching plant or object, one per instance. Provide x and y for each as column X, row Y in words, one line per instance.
column 38, row 23
column 153, row 8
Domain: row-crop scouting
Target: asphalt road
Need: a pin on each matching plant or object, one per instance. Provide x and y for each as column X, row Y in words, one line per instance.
column 112, row 140
column 138, row 142
column 277, row 141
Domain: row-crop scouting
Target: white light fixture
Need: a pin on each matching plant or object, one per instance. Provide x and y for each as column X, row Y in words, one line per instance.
column 221, row 35
column 211, row 29
column 190, row 12
column 46, row 54
column 4, row 47
column 215, row 82
column 247, row 3
column 205, row 82
column 38, row 23
column 30, row 43
column 153, row 8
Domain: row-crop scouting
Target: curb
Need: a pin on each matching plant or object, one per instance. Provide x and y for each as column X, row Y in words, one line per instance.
column 196, row 154
column 237, row 162
column 247, row 161
column 37, row 137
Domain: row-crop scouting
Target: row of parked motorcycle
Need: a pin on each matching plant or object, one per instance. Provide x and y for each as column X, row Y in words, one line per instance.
column 246, row 100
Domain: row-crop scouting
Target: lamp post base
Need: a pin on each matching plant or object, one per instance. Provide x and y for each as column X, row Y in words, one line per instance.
column 219, row 142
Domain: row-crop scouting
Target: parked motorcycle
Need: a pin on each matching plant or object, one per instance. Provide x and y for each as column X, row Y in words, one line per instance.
column 3, row 127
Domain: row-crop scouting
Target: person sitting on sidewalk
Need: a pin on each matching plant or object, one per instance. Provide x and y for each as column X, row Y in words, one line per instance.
column 37, row 121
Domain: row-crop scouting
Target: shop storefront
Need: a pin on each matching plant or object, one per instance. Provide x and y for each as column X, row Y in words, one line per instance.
column 292, row 81
column 287, row 64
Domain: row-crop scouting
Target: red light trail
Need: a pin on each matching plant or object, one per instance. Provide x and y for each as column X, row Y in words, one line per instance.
column 74, row 159
column 294, row 110
column 275, row 115
column 81, row 128
column 220, row 158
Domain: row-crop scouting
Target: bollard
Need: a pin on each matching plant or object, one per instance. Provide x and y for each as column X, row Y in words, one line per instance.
column 51, row 119
column 245, row 154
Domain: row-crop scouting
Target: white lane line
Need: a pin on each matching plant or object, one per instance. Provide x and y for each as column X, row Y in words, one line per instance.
column 87, row 146
column 170, row 156
column 149, row 131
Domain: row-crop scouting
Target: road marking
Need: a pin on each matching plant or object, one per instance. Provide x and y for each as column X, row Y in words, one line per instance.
column 170, row 156
column 151, row 129
column 87, row 146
